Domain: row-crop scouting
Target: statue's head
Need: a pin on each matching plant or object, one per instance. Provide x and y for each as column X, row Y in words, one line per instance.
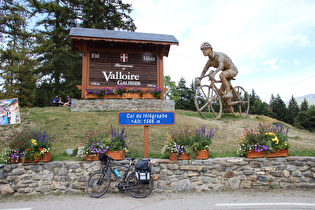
column 206, row 49
column 206, row 45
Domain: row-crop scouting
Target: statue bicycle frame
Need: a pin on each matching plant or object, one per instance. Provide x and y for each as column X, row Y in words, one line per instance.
column 211, row 97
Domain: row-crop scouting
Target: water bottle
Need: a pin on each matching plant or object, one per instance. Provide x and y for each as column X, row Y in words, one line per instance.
column 117, row 173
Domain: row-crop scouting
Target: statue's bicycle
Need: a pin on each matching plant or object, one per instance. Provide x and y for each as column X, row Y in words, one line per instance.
column 209, row 98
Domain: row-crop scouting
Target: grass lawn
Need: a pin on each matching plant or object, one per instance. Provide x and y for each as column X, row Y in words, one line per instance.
column 69, row 127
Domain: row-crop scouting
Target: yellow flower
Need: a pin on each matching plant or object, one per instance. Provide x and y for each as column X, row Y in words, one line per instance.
column 33, row 142
column 275, row 138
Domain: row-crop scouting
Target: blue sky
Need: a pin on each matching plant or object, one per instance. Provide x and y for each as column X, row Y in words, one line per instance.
column 271, row 42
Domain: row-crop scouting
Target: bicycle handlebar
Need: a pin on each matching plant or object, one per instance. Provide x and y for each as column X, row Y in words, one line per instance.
column 130, row 159
column 212, row 79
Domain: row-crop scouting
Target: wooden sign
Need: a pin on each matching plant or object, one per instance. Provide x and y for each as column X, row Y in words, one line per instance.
column 111, row 58
column 109, row 69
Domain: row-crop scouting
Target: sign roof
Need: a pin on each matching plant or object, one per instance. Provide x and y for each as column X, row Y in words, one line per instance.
column 111, row 35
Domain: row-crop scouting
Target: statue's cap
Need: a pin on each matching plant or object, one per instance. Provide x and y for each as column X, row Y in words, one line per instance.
column 205, row 45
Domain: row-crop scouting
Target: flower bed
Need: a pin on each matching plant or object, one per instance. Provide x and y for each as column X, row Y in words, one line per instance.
column 266, row 139
column 121, row 91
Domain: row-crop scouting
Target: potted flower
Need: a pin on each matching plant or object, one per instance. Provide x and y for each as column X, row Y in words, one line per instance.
column 29, row 146
column 264, row 140
column 156, row 92
column 110, row 141
column 92, row 143
column 116, row 144
column 200, row 143
column 16, row 145
column 187, row 143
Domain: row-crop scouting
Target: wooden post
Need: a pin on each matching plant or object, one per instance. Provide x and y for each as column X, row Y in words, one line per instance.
column 146, row 141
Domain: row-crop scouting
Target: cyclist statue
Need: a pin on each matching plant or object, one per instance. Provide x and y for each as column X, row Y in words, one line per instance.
column 222, row 62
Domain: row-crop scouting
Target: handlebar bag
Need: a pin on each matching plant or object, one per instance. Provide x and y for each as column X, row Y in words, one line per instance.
column 102, row 157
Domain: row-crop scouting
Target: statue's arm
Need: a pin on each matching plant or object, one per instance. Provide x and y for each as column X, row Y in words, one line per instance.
column 205, row 69
column 220, row 67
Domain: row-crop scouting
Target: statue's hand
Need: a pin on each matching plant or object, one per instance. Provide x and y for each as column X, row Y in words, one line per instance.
column 211, row 75
column 197, row 81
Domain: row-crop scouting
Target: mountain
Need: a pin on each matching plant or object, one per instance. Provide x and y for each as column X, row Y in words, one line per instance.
column 310, row 99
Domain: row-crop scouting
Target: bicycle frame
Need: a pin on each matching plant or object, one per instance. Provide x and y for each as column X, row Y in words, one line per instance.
column 108, row 166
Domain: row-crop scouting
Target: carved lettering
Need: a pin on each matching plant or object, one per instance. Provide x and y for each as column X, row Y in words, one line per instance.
column 119, row 75
column 95, row 55
column 148, row 58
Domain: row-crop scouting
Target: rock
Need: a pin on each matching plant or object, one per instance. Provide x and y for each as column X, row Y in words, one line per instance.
column 6, row 189
column 182, row 185
column 69, row 151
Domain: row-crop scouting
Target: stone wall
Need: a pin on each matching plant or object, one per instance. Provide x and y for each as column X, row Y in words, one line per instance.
column 83, row 105
column 184, row 175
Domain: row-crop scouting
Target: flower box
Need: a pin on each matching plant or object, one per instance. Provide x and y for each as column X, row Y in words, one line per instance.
column 202, row 154
column 91, row 157
column 172, row 156
column 278, row 153
column 47, row 157
column 124, row 96
column 137, row 95
column 15, row 160
column 116, row 155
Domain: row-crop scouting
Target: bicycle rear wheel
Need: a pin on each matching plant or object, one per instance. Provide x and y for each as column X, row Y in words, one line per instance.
column 139, row 189
column 241, row 97
column 97, row 184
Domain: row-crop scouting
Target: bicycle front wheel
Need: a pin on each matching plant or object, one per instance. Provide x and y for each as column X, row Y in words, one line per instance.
column 97, row 184
column 139, row 189
column 207, row 99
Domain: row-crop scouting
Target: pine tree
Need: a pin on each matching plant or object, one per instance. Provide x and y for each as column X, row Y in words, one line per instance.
column 306, row 119
column 109, row 15
column 256, row 105
column 304, row 105
column 279, row 109
column 17, row 59
column 183, row 91
column 60, row 67
column 293, row 109
column 171, row 93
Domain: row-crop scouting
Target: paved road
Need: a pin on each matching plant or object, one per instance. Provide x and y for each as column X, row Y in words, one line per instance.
column 213, row 200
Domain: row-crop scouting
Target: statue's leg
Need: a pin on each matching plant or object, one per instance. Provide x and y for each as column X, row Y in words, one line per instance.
column 224, row 76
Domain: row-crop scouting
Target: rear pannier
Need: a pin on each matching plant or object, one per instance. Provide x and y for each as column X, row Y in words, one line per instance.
column 143, row 170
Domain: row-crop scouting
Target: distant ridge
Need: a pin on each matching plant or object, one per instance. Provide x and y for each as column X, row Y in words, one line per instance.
column 310, row 99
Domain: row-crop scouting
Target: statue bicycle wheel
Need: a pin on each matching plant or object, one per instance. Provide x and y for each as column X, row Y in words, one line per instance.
column 240, row 101
column 208, row 100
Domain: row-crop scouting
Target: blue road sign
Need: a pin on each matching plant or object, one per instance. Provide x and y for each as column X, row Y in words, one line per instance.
column 146, row 118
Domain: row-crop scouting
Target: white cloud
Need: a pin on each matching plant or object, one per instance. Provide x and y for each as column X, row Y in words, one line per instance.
column 297, row 40
column 270, row 64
